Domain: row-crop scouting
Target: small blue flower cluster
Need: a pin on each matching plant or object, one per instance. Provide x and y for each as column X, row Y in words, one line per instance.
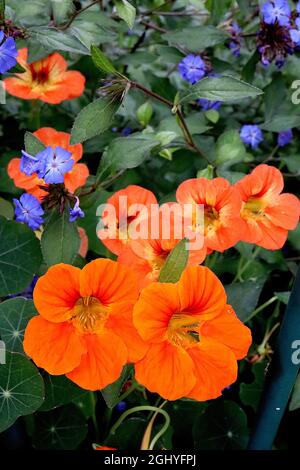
column 51, row 165
column 252, row 135
column 279, row 35
column 8, row 53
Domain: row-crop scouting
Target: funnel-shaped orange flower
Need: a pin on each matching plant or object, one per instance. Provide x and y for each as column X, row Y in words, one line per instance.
column 194, row 338
column 147, row 257
column 221, row 210
column 124, row 210
column 46, row 79
column 50, row 137
column 267, row 214
column 84, row 328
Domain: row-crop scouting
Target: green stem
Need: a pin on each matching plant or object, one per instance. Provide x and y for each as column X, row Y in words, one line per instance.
column 94, row 418
column 136, row 409
column 281, row 376
column 261, row 308
column 242, row 268
column 131, row 389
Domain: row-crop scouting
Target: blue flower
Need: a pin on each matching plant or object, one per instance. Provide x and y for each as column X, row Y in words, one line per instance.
column 295, row 33
column 76, row 212
column 54, row 163
column 235, row 43
column 298, row 7
column 207, row 105
column 121, row 406
column 192, row 68
column 29, row 210
column 126, row 131
column 29, row 164
column 284, row 138
column 8, row 53
column 251, row 135
column 277, row 10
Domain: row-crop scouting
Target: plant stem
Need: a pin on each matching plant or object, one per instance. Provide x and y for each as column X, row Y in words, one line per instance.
column 186, row 133
column 75, row 14
column 281, row 376
column 242, row 269
column 261, row 308
column 137, row 409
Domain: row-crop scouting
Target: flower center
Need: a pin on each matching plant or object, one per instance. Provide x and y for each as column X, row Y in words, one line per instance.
column 183, row 330
column 253, row 208
column 40, row 77
column 89, row 314
column 210, row 220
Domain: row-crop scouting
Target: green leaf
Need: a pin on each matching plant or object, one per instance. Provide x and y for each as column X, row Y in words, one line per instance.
column 197, row 38
column 218, row 9
column 20, row 256
column 60, row 240
column 2, row 10
column 61, row 10
column 32, row 144
column 59, row 390
column 6, row 209
column 86, row 402
column 250, row 393
column 61, row 429
column 281, row 122
column 244, row 297
column 175, row 263
column 53, row 40
column 14, row 317
column 89, row 205
column 295, row 400
column 230, row 148
column 144, row 113
column 222, row 426
column 127, row 152
column 102, row 62
column 21, row 389
column 94, row 119
column 225, row 88
column 17, row 69
column 126, row 11
column 112, row 392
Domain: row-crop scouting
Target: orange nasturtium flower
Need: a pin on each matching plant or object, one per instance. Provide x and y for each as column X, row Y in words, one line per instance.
column 147, row 257
column 267, row 214
column 194, row 337
column 73, row 179
column 221, row 204
column 46, row 80
column 128, row 205
column 84, row 328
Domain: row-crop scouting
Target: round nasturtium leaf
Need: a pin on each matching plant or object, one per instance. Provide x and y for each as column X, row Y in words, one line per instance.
column 61, row 429
column 14, row 317
column 60, row 391
column 21, row 389
column 222, row 426
column 20, row 256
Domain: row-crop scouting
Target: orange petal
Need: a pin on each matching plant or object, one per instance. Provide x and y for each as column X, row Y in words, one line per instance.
column 74, row 82
column 284, row 212
column 102, row 363
column 215, row 368
column 56, row 292
column 77, row 177
column 53, row 346
column 19, row 88
column 120, row 322
column 108, row 281
column 20, row 179
column 201, row 293
column 227, row 329
column 152, row 312
column 166, row 370
column 84, row 242
column 273, row 238
column 264, row 181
